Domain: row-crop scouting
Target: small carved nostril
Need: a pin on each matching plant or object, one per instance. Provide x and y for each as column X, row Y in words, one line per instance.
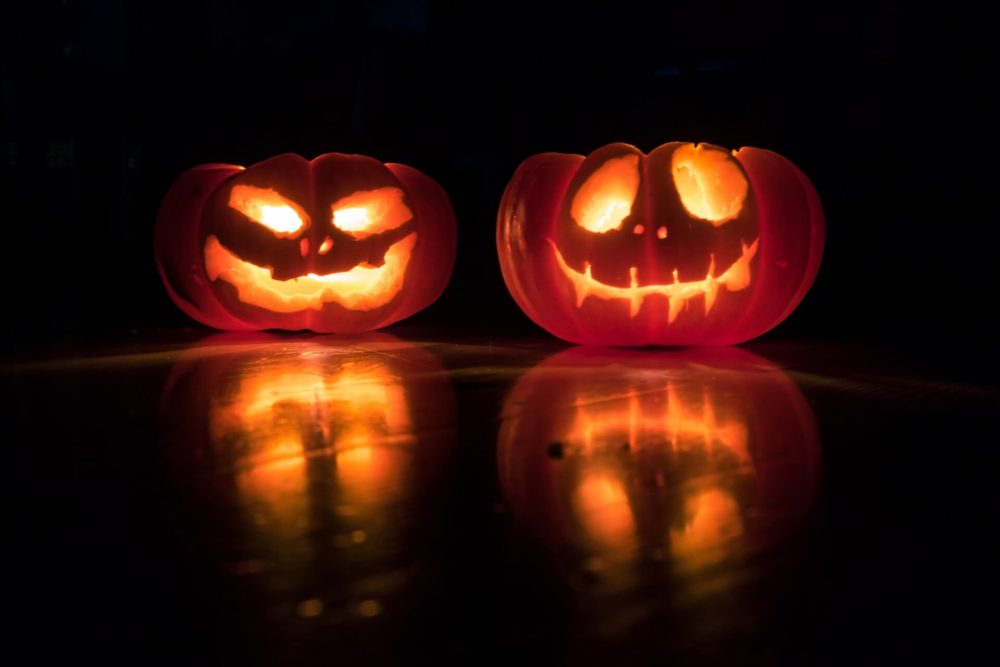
column 638, row 229
column 304, row 247
column 325, row 246
column 661, row 233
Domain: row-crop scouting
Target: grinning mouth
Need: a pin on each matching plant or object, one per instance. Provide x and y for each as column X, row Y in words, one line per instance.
column 735, row 278
column 361, row 288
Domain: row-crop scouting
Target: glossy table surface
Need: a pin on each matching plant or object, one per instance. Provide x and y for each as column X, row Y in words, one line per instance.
column 304, row 500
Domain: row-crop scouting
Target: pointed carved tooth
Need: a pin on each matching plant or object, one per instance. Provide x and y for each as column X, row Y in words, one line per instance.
column 676, row 303
column 737, row 277
column 710, row 293
column 711, row 266
column 677, row 278
column 636, row 297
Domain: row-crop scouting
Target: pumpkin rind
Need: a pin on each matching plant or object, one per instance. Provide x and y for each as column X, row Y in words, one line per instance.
column 661, row 274
column 229, row 271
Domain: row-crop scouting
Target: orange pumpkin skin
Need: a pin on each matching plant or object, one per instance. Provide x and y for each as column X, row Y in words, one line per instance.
column 338, row 244
column 688, row 245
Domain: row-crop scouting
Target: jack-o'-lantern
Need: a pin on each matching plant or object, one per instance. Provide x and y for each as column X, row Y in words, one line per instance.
column 313, row 465
column 648, row 469
column 339, row 244
column 690, row 244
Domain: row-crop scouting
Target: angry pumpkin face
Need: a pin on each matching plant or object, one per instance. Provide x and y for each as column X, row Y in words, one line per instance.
column 339, row 244
column 689, row 244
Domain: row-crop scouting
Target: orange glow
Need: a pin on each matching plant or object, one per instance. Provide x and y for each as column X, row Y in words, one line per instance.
column 643, row 465
column 369, row 474
column 602, row 505
column 711, row 185
column 352, row 417
column 268, row 209
column 712, row 520
column 737, row 277
column 654, row 412
column 655, row 419
column 361, row 288
column 370, row 212
column 605, row 199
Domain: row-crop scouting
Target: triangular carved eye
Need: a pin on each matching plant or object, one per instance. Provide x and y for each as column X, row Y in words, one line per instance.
column 711, row 185
column 268, row 209
column 369, row 212
column 605, row 199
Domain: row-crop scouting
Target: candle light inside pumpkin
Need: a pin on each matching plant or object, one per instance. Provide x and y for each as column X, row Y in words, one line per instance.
column 687, row 245
column 338, row 244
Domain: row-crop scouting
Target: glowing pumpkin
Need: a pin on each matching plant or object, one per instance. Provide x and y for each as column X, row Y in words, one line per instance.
column 690, row 244
column 687, row 457
column 339, row 244
column 311, row 462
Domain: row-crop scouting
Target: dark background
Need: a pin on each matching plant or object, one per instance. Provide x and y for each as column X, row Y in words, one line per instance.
column 883, row 105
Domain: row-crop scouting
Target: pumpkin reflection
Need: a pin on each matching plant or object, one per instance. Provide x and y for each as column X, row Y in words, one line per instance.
column 354, row 414
column 320, row 457
column 677, row 459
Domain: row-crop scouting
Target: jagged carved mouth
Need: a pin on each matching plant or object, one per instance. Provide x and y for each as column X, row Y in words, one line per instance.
column 361, row 288
column 737, row 277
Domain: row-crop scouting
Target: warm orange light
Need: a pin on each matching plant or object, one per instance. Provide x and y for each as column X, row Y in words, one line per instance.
column 361, row 288
column 651, row 418
column 710, row 183
column 602, row 505
column 605, row 199
column 370, row 212
column 654, row 412
column 737, row 277
column 352, row 417
column 711, row 521
column 268, row 209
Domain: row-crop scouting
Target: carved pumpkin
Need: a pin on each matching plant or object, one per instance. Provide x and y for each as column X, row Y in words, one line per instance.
column 686, row 457
column 311, row 462
column 339, row 244
column 690, row 244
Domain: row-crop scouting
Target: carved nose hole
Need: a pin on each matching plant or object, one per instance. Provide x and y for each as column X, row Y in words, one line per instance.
column 304, row 247
column 661, row 233
column 325, row 246
column 638, row 229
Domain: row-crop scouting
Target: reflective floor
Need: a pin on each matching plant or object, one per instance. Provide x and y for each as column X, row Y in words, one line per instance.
column 306, row 500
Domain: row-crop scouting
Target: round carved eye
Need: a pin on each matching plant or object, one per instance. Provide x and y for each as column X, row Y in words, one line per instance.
column 711, row 185
column 268, row 209
column 605, row 199
column 369, row 212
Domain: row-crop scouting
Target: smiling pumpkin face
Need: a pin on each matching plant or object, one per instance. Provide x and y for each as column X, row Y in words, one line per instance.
column 689, row 244
column 339, row 244
column 673, row 233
